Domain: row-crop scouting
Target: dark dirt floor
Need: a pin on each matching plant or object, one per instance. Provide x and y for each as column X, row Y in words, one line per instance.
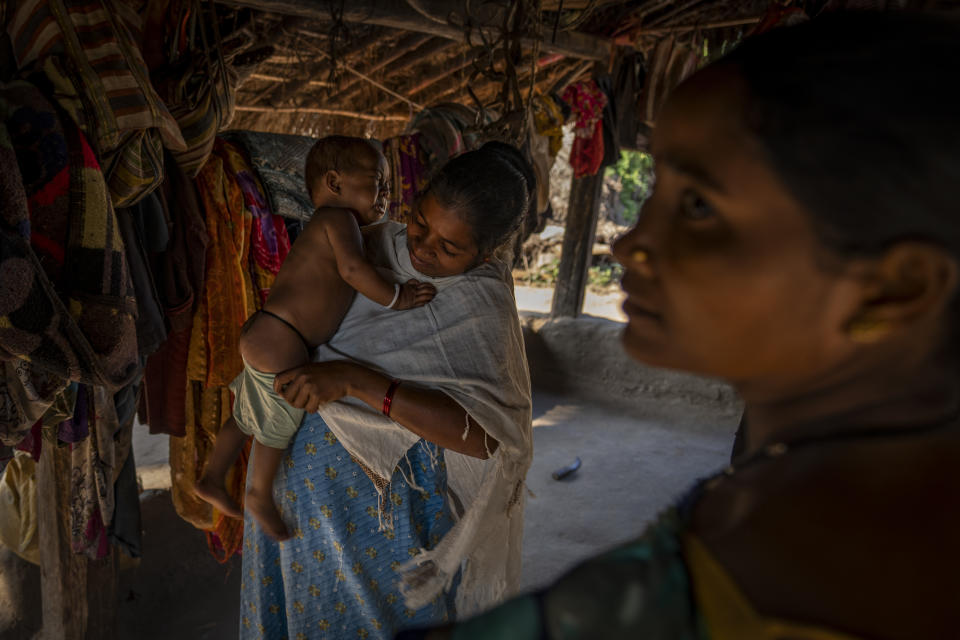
column 633, row 464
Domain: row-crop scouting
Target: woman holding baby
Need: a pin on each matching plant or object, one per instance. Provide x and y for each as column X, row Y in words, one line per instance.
column 403, row 487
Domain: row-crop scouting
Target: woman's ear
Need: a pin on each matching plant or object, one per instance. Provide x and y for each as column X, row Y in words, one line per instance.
column 910, row 286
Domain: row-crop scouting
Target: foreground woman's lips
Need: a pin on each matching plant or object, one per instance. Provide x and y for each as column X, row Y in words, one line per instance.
column 634, row 309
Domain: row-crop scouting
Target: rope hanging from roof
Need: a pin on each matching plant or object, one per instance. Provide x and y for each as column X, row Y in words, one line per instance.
column 500, row 54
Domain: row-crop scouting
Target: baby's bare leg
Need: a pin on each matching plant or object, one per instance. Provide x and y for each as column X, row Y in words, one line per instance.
column 212, row 485
column 270, row 346
column 259, row 499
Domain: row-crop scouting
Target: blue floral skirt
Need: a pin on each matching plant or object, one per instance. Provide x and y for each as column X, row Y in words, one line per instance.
column 336, row 578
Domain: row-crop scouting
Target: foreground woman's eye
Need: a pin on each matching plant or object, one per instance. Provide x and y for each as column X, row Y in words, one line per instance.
column 694, row 207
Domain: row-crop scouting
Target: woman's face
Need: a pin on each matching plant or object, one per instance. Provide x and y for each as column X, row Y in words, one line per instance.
column 723, row 272
column 439, row 241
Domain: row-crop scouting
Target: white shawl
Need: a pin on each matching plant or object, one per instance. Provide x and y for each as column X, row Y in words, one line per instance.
column 467, row 343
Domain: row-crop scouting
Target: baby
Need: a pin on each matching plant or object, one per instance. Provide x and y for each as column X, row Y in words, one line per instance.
column 346, row 180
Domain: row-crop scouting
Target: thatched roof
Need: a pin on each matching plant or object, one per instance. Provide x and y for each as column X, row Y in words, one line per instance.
column 366, row 66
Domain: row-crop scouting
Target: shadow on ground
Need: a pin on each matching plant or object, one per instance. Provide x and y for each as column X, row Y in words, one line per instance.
column 179, row 589
column 634, row 462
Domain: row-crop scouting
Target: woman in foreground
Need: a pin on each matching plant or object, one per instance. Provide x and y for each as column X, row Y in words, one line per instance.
column 803, row 243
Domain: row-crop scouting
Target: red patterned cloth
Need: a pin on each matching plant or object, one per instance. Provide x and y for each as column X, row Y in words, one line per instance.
column 587, row 101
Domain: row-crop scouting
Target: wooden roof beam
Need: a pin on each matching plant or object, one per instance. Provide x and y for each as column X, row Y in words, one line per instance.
column 400, row 57
column 398, row 14
column 394, row 117
column 304, row 55
column 409, row 44
column 429, row 81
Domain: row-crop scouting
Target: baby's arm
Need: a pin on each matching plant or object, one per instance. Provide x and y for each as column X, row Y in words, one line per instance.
column 347, row 244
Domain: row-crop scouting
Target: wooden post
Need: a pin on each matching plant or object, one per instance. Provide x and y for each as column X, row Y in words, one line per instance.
column 582, row 213
column 78, row 596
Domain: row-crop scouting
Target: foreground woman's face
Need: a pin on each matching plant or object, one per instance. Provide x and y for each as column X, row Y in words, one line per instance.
column 439, row 241
column 724, row 275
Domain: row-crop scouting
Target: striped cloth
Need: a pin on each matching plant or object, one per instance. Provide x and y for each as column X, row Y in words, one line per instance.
column 100, row 78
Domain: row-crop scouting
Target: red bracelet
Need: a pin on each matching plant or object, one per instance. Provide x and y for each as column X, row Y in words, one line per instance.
column 388, row 396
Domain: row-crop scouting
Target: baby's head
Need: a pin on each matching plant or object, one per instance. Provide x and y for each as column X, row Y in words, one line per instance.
column 342, row 171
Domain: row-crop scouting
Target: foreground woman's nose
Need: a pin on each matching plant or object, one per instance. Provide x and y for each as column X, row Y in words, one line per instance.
column 631, row 251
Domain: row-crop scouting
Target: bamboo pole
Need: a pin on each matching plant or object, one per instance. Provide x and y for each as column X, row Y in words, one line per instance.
column 326, row 112
column 397, row 14
column 741, row 22
column 379, row 85
column 268, row 78
column 400, row 60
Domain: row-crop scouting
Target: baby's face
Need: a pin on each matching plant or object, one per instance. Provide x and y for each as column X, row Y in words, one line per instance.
column 365, row 189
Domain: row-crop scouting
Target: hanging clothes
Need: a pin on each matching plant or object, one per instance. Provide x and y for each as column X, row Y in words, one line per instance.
column 194, row 82
column 548, row 120
column 269, row 243
column 611, row 136
column 408, row 173
column 213, row 358
column 587, row 102
column 29, row 397
column 72, row 313
column 124, row 530
column 278, row 160
column 440, row 132
column 99, row 77
column 178, row 272
column 18, row 508
column 538, row 147
column 247, row 245
column 628, row 78
column 96, row 463
column 139, row 224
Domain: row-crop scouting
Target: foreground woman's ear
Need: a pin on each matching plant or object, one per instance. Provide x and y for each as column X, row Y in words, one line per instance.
column 909, row 288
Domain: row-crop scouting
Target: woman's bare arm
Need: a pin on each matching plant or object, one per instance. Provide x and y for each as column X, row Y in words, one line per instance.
column 431, row 414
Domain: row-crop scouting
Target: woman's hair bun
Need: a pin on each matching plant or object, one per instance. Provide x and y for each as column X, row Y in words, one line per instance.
column 492, row 188
column 516, row 159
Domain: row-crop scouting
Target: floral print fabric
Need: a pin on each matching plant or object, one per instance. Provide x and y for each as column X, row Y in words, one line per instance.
column 336, row 578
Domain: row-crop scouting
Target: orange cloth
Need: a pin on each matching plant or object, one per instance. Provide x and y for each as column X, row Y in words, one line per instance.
column 229, row 298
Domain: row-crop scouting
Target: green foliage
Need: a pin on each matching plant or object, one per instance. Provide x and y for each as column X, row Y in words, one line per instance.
column 604, row 276
column 635, row 170
column 545, row 276
column 601, row 278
